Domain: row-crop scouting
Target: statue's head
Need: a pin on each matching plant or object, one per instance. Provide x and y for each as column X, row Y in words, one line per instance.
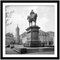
column 32, row 12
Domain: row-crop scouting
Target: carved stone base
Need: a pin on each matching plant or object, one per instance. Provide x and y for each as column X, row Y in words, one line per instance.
column 32, row 44
column 32, row 36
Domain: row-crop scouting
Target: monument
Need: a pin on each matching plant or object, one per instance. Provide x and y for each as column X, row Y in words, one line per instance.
column 32, row 31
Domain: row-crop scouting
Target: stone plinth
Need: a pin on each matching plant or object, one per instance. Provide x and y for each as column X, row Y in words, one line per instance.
column 32, row 36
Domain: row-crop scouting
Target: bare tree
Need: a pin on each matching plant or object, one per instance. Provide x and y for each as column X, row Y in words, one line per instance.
column 8, row 16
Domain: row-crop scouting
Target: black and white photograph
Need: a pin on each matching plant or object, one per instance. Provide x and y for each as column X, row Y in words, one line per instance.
column 29, row 29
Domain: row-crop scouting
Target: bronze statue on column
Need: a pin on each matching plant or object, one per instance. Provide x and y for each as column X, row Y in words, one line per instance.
column 32, row 18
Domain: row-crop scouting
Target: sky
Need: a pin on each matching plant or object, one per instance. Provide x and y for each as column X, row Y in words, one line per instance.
column 17, row 15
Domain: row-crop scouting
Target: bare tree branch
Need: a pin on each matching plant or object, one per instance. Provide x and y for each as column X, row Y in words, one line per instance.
column 8, row 16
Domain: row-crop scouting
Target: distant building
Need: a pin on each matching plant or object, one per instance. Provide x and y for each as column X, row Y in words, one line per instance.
column 46, row 38
column 9, row 38
column 18, row 41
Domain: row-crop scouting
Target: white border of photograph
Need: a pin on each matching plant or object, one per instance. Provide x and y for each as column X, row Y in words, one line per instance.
column 31, row 55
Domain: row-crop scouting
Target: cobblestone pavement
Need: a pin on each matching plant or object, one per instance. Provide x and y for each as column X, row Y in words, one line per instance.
column 40, row 50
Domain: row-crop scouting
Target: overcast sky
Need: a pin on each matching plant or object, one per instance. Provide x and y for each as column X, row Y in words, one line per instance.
column 45, row 19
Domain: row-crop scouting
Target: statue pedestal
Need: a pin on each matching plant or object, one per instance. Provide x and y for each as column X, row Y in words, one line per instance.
column 32, row 36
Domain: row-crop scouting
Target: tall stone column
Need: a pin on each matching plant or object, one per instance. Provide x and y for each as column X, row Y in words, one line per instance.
column 33, row 31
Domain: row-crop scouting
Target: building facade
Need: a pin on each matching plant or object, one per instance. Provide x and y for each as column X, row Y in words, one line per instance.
column 45, row 38
column 9, row 38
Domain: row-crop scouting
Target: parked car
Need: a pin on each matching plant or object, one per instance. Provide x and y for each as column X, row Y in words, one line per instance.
column 11, row 46
column 7, row 46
